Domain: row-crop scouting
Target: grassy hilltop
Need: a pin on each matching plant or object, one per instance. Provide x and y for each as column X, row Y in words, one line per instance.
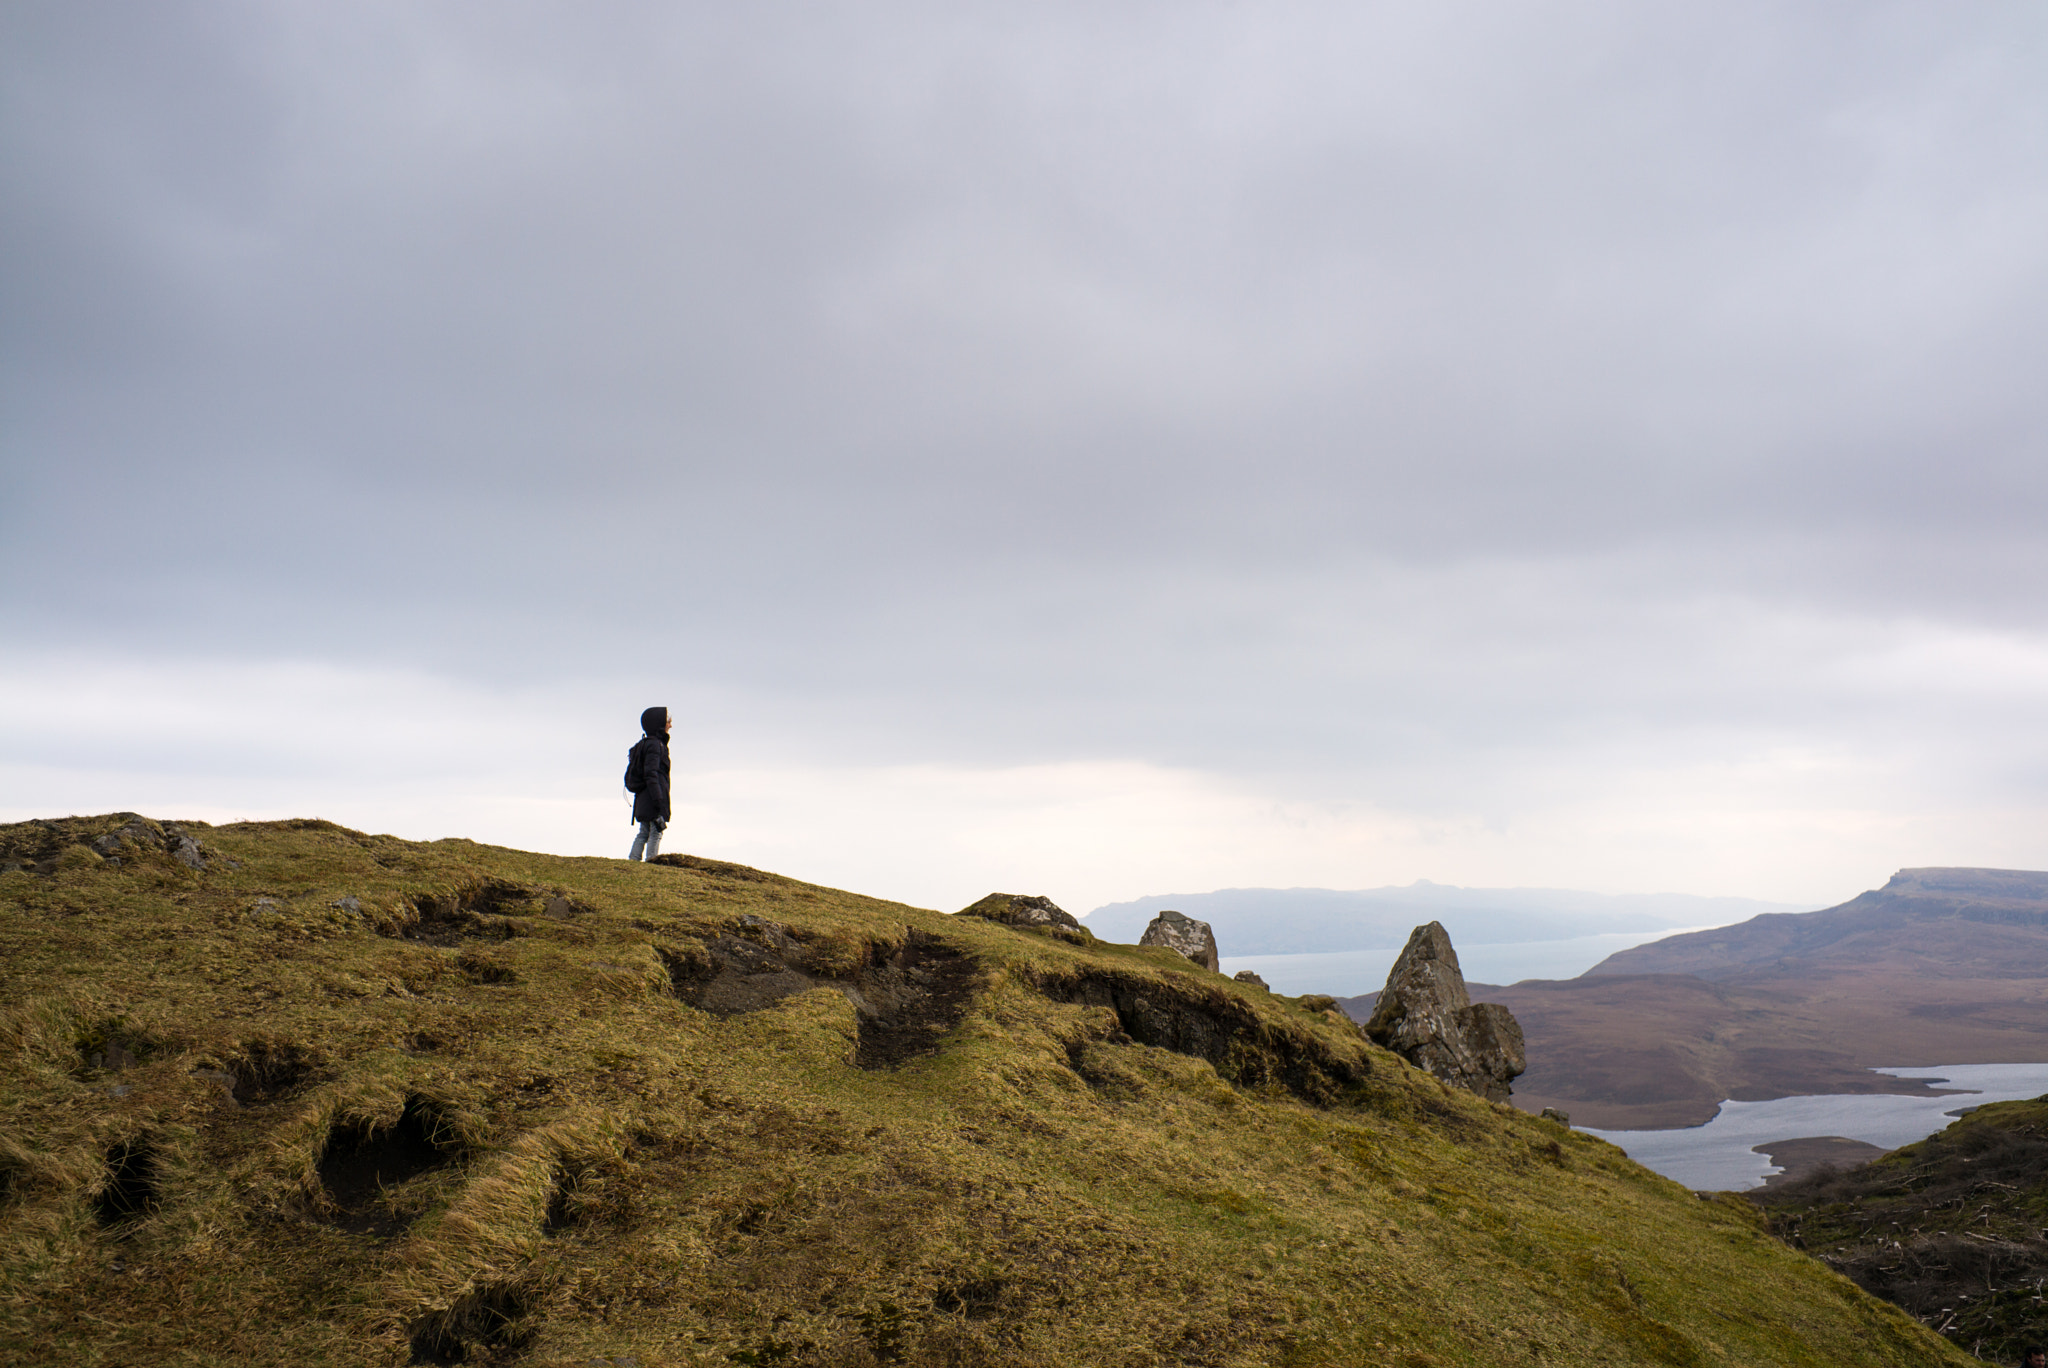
column 329, row 1098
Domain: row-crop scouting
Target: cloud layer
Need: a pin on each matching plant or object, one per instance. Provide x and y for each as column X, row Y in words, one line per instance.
column 1614, row 432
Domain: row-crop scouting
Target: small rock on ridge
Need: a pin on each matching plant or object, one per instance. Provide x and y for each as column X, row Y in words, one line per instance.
column 1018, row 909
column 1562, row 1118
column 1428, row 1018
column 1190, row 937
column 1247, row 976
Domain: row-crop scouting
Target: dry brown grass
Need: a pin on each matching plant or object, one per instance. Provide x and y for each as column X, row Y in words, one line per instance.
column 376, row 1102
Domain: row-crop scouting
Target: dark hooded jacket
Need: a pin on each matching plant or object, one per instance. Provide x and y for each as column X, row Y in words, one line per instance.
column 650, row 754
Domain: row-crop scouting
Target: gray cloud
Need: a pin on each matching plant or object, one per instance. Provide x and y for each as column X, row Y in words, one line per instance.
column 1399, row 398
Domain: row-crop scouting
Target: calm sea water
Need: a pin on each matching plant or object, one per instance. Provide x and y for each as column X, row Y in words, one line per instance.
column 1719, row 1155
column 1347, row 973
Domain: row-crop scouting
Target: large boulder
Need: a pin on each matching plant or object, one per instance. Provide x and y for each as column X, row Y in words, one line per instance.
column 1019, row 909
column 1426, row 1016
column 1190, row 937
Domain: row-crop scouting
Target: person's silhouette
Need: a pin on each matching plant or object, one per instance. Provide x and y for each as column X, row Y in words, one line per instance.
column 647, row 778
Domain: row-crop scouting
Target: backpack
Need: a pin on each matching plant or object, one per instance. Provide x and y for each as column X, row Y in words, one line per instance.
column 635, row 779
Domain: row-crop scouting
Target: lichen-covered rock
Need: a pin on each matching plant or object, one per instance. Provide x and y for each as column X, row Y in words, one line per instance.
column 1495, row 1040
column 1426, row 1016
column 1186, row 935
column 1018, row 909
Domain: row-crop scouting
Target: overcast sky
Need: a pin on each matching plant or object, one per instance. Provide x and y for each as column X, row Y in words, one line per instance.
column 1094, row 450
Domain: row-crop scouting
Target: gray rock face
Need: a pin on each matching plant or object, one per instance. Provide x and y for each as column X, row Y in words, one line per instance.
column 1428, row 1018
column 139, row 833
column 1190, row 937
column 1247, row 976
column 1018, row 909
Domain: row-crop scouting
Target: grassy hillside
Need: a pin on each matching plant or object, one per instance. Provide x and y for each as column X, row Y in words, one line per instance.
column 1954, row 1228
column 344, row 1099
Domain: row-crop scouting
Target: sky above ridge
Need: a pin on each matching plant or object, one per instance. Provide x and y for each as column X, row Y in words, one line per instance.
column 1092, row 450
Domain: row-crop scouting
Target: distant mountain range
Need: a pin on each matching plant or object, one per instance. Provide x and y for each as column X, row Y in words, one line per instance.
column 1940, row 966
column 1952, row 923
column 1303, row 921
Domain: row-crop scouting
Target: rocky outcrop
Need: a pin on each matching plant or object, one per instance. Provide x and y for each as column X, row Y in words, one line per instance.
column 42, row 847
column 1018, row 909
column 1247, row 976
column 1426, row 1016
column 1186, row 935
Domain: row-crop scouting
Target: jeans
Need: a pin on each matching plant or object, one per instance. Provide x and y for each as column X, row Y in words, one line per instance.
column 649, row 838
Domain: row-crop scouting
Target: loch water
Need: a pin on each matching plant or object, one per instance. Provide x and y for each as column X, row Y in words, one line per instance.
column 1721, row 1156
column 1348, row 973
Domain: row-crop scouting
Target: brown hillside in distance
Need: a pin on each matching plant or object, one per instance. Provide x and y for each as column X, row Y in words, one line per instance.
column 1940, row 966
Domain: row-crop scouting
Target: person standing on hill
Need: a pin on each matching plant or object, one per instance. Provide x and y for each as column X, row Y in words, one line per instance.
column 647, row 781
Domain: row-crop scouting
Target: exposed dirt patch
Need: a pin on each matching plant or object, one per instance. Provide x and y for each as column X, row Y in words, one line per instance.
column 486, row 910
column 562, row 907
column 559, row 1218
column 112, row 1045
column 719, row 868
column 588, row 1195
column 479, row 911
column 1208, row 1023
column 361, row 1166
column 133, row 1186
column 495, row 898
column 905, row 996
column 260, row 1072
column 488, row 1326
column 482, row 969
column 755, row 966
column 908, row 1000
column 269, row 1071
